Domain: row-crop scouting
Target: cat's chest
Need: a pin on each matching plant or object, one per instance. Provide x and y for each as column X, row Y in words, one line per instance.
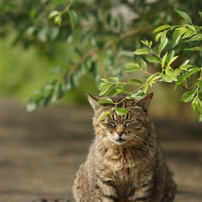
column 121, row 160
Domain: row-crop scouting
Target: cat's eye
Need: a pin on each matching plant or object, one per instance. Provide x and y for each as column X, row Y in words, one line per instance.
column 110, row 124
column 129, row 124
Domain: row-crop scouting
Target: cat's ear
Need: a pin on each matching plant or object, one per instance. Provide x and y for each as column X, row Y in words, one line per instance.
column 145, row 102
column 94, row 102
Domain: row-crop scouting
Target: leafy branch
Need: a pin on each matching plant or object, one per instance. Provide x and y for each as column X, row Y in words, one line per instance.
column 163, row 54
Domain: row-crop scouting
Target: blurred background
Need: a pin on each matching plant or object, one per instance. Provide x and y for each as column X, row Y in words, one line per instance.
column 54, row 51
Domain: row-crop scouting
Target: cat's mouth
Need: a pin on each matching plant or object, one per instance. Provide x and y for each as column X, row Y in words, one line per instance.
column 120, row 140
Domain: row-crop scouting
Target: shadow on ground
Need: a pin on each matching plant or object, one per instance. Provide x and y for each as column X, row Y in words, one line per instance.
column 41, row 152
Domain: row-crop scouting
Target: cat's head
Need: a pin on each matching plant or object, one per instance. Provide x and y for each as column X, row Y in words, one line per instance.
column 130, row 128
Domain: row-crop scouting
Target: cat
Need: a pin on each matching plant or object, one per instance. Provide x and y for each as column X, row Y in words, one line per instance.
column 51, row 200
column 125, row 162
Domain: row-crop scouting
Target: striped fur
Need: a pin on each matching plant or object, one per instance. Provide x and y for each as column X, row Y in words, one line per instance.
column 125, row 162
column 51, row 200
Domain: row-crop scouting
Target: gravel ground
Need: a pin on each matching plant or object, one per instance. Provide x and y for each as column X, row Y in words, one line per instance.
column 41, row 152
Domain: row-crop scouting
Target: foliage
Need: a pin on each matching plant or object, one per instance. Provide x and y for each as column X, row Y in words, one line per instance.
column 186, row 75
column 102, row 35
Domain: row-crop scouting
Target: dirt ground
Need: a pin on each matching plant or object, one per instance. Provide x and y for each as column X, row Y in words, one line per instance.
column 40, row 152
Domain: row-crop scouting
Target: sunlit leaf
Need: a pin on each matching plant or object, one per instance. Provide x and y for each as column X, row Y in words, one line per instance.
column 105, row 88
column 170, row 55
column 138, row 95
column 162, row 45
column 142, row 51
column 114, row 79
column 172, row 60
column 152, row 59
column 199, row 106
column 132, row 67
column 106, row 101
column 194, row 49
column 188, row 96
column 121, row 111
column 166, row 78
column 184, row 64
column 102, row 115
column 116, row 90
column 162, row 27
column 53, row 14
column 134, row 81
column 164, row 60
column 186, row 75
column 184, row 15
column 143, row 64
column 171, row 74
column 175, row 38
column 145, row 88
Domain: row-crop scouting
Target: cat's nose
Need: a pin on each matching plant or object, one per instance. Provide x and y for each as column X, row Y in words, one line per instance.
column 120, row 133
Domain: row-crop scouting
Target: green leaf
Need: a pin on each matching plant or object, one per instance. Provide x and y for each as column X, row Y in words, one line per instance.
column 162, row 27
column 143, row 64
column 153, row 79
column 191, row 28
column 101, row 85
column 115, row 90
column 166, row 78
column 171, row 74
column 184, row 64
column 200, row 84
column 58, row 20
column 53, row 14
column 146, row 43
column 194, row 49
column 185, row 76
column 132, row 81
column 200, row 118
column 162, row 45
column 145, row 88
column 197, row 37
column 138, row 95
column 184, row 15
column 142, row 51
column 114, row 79
column 199, row 106
column 57, row 2
column 104, row 80
column 172, row 60
column 152, row 59
column 102, row 115
column 105, row 88
column 73, row 18
column 121, row 111
column 188, row 96
column 133, row 67
column 170, row 55
column 163, row 61
column 158, row 36
column 200, row 13
column 106, row 101
column 175, row 38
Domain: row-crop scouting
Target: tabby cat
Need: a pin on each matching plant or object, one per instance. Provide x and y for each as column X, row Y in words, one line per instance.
column 125, row 162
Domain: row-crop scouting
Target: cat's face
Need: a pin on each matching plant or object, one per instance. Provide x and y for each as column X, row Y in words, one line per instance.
column 130, row 128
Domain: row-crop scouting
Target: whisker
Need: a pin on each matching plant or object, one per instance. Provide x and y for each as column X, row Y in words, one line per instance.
column 142, row 140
